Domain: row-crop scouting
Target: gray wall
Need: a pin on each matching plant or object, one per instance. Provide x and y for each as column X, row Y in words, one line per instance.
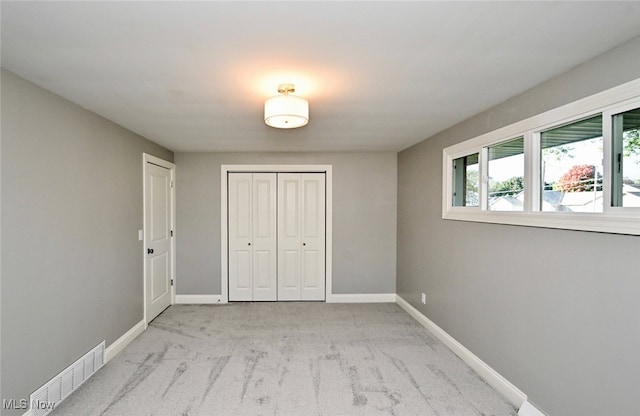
column 554, row 311
column 364, row 218
column 71, row 259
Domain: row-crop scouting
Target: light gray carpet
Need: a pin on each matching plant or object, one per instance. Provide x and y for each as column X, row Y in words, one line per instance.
column 285, row 359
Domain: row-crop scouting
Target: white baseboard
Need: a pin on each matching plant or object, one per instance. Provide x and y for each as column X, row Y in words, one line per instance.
column 119, row 344
column 198, row 299
column 527, row 409
column 350, row 298
column 363, row 298
column 511, row 392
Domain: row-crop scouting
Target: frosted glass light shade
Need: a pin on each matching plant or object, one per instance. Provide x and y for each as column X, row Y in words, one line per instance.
column 286, row 111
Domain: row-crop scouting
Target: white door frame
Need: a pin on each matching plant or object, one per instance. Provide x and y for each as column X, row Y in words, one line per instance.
column 224, row 256
column 147, row 158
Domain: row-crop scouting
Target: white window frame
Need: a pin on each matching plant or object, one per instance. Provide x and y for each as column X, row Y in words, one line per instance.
column 617, row 220
column 484, row 173
column 480, row 191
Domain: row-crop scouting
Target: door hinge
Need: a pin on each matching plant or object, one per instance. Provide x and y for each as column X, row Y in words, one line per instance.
column 171, row 183
column 171, row 282
column 171, row 233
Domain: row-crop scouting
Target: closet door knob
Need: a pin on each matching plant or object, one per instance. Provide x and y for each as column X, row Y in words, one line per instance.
column 249, row 244
column 304, row 244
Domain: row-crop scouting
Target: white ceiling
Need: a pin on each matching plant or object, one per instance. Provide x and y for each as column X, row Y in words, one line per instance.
column 380, row 76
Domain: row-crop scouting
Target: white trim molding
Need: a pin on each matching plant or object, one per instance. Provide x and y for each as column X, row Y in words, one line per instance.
column 362, row 298
column 119, row 344
column 224, row 171
column 335, row 298
column 198, row 299
column 511, row 392
column 527, row 409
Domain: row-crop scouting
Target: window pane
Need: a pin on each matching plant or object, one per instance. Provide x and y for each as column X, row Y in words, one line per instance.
column 506, row 176
column 465, row 181
column 571, row 169
column 626, row 159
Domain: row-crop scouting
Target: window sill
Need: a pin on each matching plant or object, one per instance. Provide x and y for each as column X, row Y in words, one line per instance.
column 612, row 223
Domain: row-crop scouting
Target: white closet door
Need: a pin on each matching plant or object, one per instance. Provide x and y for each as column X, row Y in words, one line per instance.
column 301, row 236
column 252, row 237
column 289, row 237
column 240, row 235
column 313, row 236
column 264, row 240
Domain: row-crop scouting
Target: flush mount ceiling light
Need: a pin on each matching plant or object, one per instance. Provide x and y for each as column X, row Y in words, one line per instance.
column 286, row 111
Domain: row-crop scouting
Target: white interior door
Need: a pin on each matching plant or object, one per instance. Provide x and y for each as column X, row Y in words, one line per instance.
column 158, row 230
column 301, row 236
column 252, row 236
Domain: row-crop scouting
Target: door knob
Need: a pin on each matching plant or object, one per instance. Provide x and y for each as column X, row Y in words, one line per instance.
column 304, row 244
column 149, row 251
column 249, row 244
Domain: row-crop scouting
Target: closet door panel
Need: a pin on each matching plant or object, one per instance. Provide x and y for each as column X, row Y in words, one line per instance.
column 289, row 238
column 262, row 270
column 240, row 235
column 313, row 236
column 290, row 270
column 310, row 272
column 264, row 237
column 243, row 267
